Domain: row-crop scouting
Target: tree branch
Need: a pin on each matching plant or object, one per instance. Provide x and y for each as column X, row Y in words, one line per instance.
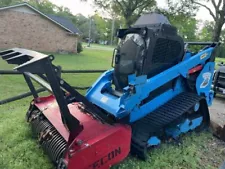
column 214, row 4
column 139, row 5
column 141, row 10
column 134, row 6
column 136, row 3
column 121, row 6
column 123, row 3
column 144, row 4
column 210, row 11
column 219, row 3
column 217, row 7
column 223, row 11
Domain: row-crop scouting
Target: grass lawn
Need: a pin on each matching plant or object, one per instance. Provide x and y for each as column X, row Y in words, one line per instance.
column 18, row 150
column 218, row 60
column 99, row 45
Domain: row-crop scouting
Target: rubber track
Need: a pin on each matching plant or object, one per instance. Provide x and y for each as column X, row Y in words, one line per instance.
column 155, row 122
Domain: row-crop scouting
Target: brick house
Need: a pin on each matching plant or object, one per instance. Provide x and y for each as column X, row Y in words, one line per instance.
column 24, row 26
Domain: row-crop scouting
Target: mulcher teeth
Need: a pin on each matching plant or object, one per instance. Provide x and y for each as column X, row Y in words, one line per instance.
column 49, row 138
column 26, row 60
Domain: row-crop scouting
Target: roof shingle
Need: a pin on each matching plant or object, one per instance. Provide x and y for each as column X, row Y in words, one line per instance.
column 65, row 22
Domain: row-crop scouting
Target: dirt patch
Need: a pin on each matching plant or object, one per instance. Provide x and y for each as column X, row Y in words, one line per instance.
column 217, row 116
column 213, row 153
column 217, row 110
column 215, row 150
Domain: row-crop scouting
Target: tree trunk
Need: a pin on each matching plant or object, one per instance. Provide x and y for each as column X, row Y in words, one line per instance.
column 217, row 30
column 130, row 20
column 127, row 23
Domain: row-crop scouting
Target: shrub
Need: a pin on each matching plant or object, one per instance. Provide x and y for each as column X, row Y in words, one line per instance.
column 79, row 47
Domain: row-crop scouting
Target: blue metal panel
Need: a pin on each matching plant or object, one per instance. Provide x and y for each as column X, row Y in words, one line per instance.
column 187, row 55
column 129, row 103
column 106, row 101
column 147, row 108
column 184, row 127
column 196, row 107
column 175, row 131
column 153, row 141
column 204, row 82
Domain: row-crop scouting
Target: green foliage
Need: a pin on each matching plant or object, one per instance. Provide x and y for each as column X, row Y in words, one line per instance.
column 129, row 10
column 64, row 11
column 187, row 29
column 217, row 12
column 220, row 52
column 184, row 7
column 5, row 2
column 205, row 34
column 79, row 47
column 83, row 24
column 44, row 6
column 181, row 14
column 101, row 28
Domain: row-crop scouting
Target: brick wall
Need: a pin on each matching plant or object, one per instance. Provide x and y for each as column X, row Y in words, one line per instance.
column 35, row 32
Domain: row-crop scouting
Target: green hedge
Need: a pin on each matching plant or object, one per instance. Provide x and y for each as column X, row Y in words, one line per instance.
column 79, row 47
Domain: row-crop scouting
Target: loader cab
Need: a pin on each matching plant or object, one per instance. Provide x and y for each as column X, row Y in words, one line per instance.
column 146, row 49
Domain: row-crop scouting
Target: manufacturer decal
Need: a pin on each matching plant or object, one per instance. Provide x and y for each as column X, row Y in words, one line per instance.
column 110, row 156
column 203, row 55
column 206, row 78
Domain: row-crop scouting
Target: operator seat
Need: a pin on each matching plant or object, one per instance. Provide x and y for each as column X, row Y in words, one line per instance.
column 147, row 49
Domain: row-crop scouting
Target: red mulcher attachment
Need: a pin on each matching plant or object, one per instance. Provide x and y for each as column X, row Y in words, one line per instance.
column 73, row 132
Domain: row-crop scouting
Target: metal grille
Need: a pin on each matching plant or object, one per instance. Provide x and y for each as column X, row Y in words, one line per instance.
column 166, row 51
column 221, row 80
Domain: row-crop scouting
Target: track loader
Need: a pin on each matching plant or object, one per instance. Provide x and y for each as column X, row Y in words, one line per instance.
column 158, row 89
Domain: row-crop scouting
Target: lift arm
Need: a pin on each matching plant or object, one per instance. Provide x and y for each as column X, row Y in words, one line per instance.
column 39, row 67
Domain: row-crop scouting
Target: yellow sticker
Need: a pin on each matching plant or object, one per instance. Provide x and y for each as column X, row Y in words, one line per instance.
column 203, row 56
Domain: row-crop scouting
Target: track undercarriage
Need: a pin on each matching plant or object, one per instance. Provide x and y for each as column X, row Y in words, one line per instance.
column 186, row 112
